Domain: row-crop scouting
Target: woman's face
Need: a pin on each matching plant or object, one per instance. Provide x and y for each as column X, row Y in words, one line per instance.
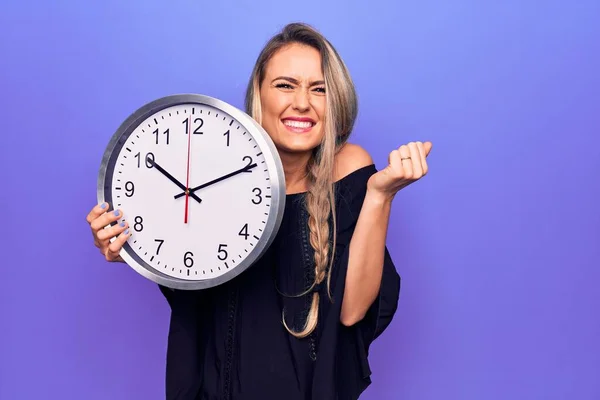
column 292, row 96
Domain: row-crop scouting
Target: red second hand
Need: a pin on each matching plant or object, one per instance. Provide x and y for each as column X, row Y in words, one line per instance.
column 187, row 182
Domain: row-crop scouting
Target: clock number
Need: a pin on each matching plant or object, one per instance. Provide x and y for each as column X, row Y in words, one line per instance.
column 164, row 133
column 244, row 232
column 188, row 261
column 160, row 243
column 130, row 188
column 149, row 155
column 222, row 251
column 227, row 134
column 249, row 163
column 257, row 195
column 196, row 131
column 138, row 224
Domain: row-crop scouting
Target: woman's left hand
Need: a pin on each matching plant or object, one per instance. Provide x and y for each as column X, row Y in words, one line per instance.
column 407, row 164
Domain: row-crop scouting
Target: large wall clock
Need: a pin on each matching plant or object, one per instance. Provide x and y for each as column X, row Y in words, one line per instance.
column 201, row 185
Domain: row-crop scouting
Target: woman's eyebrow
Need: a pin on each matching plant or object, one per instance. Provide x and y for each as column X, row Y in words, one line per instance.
column 295, row 81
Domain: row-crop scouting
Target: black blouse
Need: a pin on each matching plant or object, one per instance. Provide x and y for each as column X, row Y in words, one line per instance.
column 229, row 342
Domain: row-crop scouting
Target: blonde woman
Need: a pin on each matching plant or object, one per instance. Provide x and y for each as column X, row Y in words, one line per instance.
column 299, row 323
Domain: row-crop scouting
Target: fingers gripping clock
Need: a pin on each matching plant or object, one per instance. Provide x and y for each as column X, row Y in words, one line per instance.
column 201, row 185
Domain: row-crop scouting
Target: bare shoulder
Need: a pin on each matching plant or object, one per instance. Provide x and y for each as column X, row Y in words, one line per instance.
column 350, row 158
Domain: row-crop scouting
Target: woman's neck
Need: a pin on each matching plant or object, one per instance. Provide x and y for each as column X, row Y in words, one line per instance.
column 294, row 167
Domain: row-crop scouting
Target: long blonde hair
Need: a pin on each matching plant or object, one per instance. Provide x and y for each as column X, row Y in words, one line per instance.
column 340, row 115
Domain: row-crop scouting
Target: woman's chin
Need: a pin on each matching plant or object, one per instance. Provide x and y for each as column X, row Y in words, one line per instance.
column 300, row 145
column 299, row 142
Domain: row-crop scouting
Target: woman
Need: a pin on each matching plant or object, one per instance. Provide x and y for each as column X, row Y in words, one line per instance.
column 298, row 324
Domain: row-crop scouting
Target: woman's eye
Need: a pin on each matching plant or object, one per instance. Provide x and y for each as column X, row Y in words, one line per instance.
column 284, row 86
column 320, row 90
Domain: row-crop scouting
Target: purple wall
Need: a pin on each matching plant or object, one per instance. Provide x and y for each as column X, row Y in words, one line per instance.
column 498, row 247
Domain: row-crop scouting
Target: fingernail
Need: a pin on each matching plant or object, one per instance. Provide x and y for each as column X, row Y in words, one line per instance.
column 127, row 231
column 103, row 205
column 122, row 223
column 117, row 213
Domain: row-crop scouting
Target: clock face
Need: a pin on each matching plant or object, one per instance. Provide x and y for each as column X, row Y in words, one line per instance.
column 201, row 237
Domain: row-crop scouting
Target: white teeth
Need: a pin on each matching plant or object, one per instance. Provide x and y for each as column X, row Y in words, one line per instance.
column 297, row 124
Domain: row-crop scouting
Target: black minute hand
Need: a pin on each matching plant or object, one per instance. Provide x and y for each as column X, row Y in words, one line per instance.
column 229, row 175
column 172, row 179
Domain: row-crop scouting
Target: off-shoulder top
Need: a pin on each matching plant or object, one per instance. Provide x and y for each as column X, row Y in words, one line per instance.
column 229, row 342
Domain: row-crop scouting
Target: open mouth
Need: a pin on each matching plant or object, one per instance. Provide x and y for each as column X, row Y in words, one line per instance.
column 298, row 125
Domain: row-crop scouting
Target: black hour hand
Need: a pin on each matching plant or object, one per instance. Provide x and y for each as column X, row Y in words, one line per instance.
column 172, row 179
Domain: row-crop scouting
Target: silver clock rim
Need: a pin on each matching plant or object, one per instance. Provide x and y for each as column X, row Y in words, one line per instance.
column 276, row 176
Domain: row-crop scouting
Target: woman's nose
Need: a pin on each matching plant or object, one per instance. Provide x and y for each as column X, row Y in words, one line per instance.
column 301, row 102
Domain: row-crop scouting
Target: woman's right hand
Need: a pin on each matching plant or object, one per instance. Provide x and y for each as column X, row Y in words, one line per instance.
column 98, row 219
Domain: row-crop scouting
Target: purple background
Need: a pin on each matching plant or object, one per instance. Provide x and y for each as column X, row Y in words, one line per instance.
column 498, row 247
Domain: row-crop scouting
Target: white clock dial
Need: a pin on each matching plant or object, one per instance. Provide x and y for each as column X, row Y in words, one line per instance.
column 234, row 205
